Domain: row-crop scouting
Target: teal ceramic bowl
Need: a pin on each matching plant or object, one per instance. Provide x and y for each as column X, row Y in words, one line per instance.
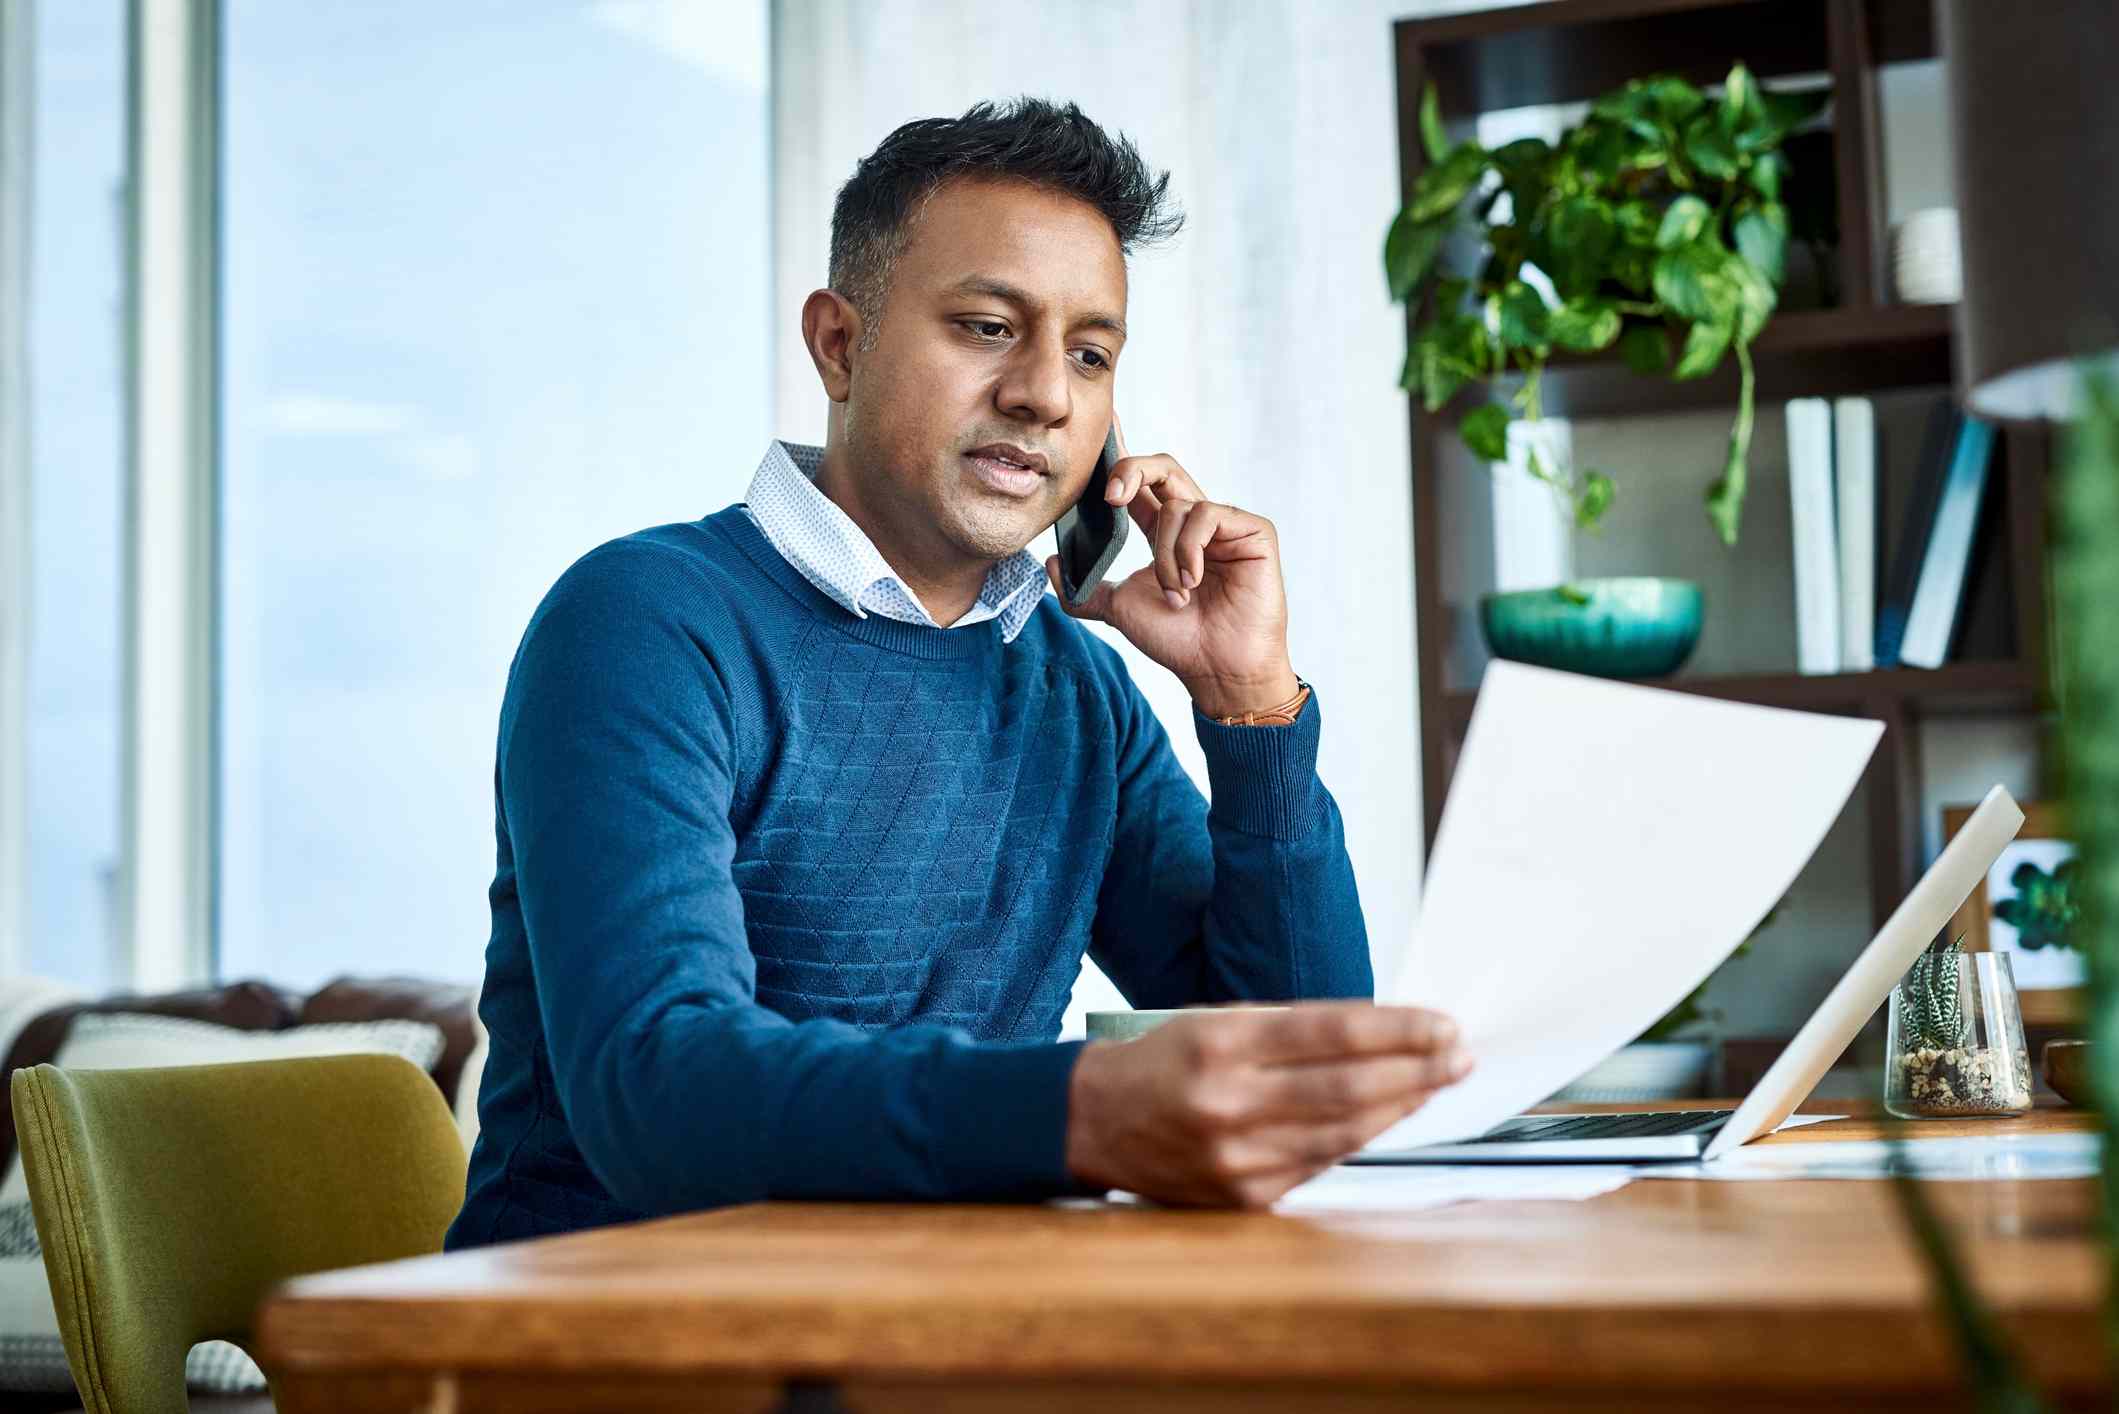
column 1610, row 628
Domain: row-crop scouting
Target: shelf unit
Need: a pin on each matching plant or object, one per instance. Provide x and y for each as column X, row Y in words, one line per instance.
column 1570, row 50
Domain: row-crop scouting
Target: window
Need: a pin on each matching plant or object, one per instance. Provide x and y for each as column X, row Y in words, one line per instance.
column 74, row 340
column 495, row 282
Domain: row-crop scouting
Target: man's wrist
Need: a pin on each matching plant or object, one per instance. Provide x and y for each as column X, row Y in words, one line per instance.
column 1085, row 1160
column 1219, row 698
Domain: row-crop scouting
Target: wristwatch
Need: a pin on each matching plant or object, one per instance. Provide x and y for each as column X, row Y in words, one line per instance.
column 1281, row 716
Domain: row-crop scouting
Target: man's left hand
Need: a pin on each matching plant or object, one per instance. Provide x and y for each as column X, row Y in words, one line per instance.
column 1210, row 606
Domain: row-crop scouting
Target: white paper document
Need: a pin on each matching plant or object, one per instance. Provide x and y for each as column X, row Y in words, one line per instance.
column 1405, row 1190
column 2002, row 1156
column 1604, row 848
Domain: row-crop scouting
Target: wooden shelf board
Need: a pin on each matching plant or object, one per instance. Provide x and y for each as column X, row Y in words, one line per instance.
column 1803, row 353
column 1560, row 51
column 1922, row 691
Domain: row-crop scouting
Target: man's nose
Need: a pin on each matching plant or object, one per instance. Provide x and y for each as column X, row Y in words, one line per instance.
column 1034, row 385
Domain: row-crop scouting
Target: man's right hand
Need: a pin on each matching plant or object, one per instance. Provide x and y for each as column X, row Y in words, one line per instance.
column 1234, row 1108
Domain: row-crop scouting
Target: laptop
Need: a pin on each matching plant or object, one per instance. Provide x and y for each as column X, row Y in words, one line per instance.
column 1705, row 1135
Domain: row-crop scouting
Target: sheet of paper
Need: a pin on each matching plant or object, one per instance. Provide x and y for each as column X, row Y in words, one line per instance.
column 2015, row 1156
column 1604, row 847
column 1404, row 1190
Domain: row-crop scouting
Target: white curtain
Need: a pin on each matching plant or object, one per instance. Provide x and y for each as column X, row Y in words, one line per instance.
column 1264, row 351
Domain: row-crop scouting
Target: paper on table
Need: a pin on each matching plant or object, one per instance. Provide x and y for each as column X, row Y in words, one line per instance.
column 1604, row 848
column 1348, row 1189
column 1999, row 1156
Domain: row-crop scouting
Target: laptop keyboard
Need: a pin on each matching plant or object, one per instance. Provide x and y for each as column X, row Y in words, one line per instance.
column 1619, row 1126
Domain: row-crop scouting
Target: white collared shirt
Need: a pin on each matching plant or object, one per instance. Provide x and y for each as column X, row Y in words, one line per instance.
column 822, row 542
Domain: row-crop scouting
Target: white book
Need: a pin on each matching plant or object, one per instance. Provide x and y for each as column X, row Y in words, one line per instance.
column 1854, row 471
column 1816, row 544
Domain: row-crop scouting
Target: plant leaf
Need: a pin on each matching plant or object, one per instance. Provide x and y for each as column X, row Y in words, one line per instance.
column 1725, row 501
column 1767, row 172
column 1634, row 267
column 1601, row 152
column 1590, row 504
column 1579, row 234
column 1693, row 284
column 1789, row 111
column 1524, row 166
column 1762, row 239
column 1444, row 185
column 1705, row 343
column 1645, row 348
column 1584, row 323
column 1409, row 252
column 1452, row 351
column 1740, row 100
column 1485, row 430
column 1683, row 222
column 1755, row 297
column 1637, row 221
column 1675, row 98
column 1432, row 137
column 1710, row 148
column 1523, row 319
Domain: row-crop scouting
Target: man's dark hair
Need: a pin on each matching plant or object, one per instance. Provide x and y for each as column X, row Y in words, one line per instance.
column 1029, row 139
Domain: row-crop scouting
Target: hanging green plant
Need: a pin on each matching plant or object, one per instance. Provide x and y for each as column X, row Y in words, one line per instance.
column 1656, row 226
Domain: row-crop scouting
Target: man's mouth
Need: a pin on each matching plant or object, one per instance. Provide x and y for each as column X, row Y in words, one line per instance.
column 1007, row 469
column 1010, row 455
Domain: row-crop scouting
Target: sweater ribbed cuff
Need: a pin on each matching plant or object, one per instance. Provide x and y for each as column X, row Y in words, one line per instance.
column 1262, row 780
column 1005, row 1112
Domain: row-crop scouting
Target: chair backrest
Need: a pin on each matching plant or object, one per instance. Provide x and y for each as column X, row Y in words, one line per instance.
column 169, row 1200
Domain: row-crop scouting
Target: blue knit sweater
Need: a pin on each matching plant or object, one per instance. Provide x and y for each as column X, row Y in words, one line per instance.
column 789, row 903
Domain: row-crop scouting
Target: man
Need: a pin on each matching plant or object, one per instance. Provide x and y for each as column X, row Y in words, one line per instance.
column 808, row 811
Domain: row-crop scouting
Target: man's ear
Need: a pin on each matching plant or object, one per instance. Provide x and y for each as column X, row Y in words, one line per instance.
column 831, row 327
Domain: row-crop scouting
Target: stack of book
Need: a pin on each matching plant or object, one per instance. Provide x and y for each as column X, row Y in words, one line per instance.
column 1850, row 617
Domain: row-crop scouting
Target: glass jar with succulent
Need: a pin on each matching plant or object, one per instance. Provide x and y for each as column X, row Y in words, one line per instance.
column 1954, row 1042
column 1656, row 224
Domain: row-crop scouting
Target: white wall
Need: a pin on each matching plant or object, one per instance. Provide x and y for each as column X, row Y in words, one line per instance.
column 1264, row 351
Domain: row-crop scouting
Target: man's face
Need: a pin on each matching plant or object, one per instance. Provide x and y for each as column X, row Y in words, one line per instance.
column 997, row 329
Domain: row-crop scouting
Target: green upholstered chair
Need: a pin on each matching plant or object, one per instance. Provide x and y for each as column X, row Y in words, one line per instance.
column 169, row 1201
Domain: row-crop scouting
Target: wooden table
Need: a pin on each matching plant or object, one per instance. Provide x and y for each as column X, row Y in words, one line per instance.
column 1766, row 1295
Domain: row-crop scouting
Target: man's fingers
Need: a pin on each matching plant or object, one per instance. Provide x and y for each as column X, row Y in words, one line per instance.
column 1099, row 605
column 1328, row 1090
column 1175, row 513
column 1129, row 489
column 1305, row 1149
column 1332, row 1030
column 1188, row 553
column 1145, row 483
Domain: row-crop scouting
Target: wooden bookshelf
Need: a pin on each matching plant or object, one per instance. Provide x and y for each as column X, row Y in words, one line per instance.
column 1571, row 50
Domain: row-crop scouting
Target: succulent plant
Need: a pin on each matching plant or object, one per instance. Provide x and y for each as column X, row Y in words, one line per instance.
column 1929, row 1017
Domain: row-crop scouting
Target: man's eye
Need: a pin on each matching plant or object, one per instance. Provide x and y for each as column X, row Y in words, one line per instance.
column 1097, row 354
column 982, row 324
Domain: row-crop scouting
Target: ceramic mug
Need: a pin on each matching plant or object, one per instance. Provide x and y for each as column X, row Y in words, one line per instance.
column 1131, row 1025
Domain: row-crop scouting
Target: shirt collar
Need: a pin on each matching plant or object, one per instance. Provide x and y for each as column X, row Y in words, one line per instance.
column 820, row 540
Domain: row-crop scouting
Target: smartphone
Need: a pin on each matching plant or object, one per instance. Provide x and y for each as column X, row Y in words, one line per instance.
column 1092, row 532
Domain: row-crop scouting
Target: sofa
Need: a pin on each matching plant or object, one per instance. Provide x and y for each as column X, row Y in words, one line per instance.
column 433, row 1023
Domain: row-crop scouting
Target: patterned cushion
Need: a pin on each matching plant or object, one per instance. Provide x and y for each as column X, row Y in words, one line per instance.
column 124, row 1039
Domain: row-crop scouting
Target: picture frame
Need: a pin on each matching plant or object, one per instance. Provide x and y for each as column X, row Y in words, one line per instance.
column 2049, row 975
